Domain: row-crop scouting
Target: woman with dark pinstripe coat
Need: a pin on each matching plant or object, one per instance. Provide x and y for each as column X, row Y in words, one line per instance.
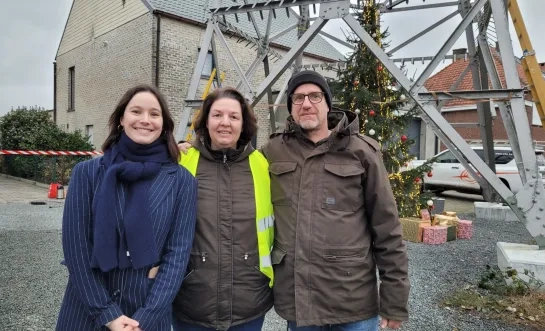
column 128, row 223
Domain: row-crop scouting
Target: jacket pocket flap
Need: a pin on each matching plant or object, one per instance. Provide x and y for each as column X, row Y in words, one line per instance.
column 279, row 168
column 344, row 252
column 277, row 255
column 344, row 170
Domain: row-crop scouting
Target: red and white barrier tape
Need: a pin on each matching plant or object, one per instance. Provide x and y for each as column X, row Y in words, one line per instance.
column 70, row 153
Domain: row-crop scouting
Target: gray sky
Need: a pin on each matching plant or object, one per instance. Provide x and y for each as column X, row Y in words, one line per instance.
column 31, row 31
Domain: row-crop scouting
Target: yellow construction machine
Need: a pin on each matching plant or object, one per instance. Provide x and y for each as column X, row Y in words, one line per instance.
column 532, row 70
column 203, row 96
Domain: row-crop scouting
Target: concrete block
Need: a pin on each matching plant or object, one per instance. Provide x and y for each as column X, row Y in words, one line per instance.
column 522, row 257
column 491, row 211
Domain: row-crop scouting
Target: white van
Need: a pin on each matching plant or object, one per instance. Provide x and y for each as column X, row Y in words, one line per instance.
column 449, row 174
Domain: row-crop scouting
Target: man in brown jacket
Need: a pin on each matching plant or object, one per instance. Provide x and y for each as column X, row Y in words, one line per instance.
column 336, row 220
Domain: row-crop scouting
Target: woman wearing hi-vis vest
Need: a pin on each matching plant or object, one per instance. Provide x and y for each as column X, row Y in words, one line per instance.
column 228, row 281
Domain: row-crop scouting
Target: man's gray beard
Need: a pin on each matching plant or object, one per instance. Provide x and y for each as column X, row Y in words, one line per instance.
column 309, row 126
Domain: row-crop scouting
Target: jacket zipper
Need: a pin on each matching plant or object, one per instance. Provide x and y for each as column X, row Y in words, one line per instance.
column 219, row 248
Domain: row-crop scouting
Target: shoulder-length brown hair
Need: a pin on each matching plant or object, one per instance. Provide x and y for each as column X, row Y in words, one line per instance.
column 249, row 121
column 168, row 122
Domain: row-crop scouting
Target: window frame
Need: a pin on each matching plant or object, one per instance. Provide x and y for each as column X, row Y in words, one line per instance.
column 72, row 88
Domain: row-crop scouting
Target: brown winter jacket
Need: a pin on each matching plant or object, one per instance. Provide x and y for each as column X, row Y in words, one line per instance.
column 223, row 286
column 336, row 221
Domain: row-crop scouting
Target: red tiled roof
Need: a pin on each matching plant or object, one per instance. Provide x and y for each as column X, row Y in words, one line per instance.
column 444, row 79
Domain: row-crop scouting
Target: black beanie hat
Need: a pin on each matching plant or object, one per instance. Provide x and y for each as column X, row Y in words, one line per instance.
column 308, row 77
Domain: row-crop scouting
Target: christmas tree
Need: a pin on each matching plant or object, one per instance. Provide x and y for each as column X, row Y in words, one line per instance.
column 368, row 89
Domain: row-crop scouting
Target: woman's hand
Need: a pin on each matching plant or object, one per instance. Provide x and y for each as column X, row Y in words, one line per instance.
column 123, row 323
column 184, row 147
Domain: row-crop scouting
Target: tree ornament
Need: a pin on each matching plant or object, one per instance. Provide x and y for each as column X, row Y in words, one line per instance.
column 379, row 138
column 366, row 121
column 417, row 180
column 430, row 174
column 374, row 35
column 372, row 112
column 357, row 111
column 380, row 68
column 402, row 97
column 403, row 138
column 430, row 203
column 356, row 83
column 371, row 132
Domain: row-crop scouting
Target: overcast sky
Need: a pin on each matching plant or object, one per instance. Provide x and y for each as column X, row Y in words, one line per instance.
column 31, row 31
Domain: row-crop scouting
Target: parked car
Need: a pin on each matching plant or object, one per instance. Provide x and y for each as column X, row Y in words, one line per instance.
column 449, row 174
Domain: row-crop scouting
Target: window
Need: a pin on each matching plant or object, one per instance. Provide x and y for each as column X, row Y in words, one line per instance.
column 500, row 156
column 447, row 157
column 71, row 88
column 89, row 134
column 503, row 157
column 208, row 65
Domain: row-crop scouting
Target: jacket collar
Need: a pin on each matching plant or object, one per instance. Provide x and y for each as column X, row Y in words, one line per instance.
column 228, row 154
column 162, row 184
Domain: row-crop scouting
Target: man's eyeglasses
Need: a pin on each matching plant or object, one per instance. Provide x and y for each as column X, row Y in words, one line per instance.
column 313, row 97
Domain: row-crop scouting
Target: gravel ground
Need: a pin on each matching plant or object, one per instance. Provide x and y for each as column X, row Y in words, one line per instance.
column 32, row 281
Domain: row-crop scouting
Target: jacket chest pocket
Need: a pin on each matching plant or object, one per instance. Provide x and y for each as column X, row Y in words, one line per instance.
column 341, row 187
column 282, row 177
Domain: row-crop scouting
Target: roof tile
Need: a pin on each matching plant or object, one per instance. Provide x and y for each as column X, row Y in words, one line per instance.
column 196, row 10
column 445, row 79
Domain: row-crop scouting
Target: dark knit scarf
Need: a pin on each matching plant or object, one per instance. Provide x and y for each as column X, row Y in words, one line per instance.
column 115, row 237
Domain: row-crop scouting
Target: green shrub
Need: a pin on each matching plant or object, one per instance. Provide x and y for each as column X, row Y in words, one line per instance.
column 31, row 129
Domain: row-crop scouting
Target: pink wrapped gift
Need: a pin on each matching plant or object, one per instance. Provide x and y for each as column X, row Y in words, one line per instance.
column 465, row 229
column 435, row 235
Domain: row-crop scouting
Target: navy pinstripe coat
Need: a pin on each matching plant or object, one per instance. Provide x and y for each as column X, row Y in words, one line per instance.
column 92, row 297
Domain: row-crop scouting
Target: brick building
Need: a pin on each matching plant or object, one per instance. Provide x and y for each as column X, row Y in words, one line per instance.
column 464, row 112
column 109, row 46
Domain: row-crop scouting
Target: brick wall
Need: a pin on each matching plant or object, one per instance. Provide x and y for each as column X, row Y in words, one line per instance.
column 498, row 128
column 105, row 68
column 180, row 44
column 110, row 64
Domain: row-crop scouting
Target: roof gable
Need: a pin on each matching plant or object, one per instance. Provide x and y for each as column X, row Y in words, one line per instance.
column 90, row 19
column 196, row 10
column 445, row 79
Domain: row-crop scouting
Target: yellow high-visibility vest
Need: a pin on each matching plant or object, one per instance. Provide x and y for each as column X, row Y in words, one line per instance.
column 259, row 166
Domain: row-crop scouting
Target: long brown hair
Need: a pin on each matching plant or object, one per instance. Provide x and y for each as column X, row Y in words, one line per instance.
column 168, row 122
column 249, row 121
